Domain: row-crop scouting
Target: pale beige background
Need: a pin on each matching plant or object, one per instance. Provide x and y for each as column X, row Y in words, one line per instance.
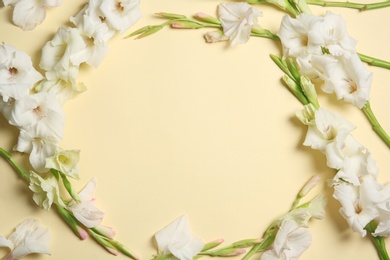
column 171, row 125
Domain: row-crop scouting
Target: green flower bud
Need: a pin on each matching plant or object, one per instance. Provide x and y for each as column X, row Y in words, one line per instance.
column 171, row 16
column 145, row 31
column 206, row 18
column 307, row 115
column 247, row 242
column 310, row 91
column 212, row 244
column 186, row 25
column 228, row 252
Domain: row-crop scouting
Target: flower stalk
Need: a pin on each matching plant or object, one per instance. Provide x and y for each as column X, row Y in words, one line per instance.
column 378, row 241
column 358, row 6
column 375, row 124
column 374, row 61
column 8, row 157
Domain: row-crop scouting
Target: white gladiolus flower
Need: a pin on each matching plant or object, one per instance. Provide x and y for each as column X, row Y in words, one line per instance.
column 121, row 14
column 329, row 127
column 62, row 89
column 57, row 54
column 295, row 33
column 41, row 110
column 290, row 242
column 383, row 228
column 359, row 203
column 237, row 20
column 308, row 34
column 38, row 144
column 96, row 35
column 65, row 161
column 176, row 238
column 17, row 74
column 332, row 34
column 85, row 211
column 29, row 237
column 350, row 80
column 46, row 191
column 313, row 209
column 30, row 13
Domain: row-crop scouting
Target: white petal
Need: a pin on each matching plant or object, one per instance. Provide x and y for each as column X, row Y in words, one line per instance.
column 30, row 237
column 176, row 238
column 28, row 14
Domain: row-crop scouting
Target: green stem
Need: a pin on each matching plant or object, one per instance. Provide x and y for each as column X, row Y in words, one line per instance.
column 374, row 61
column 378, row 241
column 8, row 157
column 360, row 7
column 375, row 124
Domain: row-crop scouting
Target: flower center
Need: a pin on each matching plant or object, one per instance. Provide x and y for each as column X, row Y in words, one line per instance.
column 119, row 6
column 352, row 85
column 63, row 159
column 38, row 112
column 13, row 71
column 330, row 133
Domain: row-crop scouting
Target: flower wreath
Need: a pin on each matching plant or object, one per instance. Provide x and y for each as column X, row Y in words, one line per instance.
column 28, row 103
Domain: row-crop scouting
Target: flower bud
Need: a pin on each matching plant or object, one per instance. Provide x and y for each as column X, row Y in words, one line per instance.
column 81, row 232
column 229, row 252
column 212, row 244
column 247, row 242
column 186, row 25
column 292, row 67
column 171, row 15
column 105, row 231
column 206, row 18
column 145, row 31
column 307, row 115
column 309, row 185
column 310, row 91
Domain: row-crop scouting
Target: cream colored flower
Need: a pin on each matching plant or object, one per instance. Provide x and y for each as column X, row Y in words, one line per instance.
column 121, row 14
column 30, row 13
column 85, row 210
column 65, row 161
column 176, row 238
column 46, row 191
column 290, row 242
column 29, row 237
column 237, row 20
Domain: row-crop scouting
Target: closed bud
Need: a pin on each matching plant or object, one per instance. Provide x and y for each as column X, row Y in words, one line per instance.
column 212, row 244
column 230, row 252
column 206, row 18
column 105, row 231
column 309, row 185
column 310, row 91
column 145, row 31
column 186, row 25
column 307, row 115
column 247, row 242
column 171, row 16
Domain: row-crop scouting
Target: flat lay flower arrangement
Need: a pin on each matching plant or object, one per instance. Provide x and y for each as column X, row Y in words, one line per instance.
column 317, row 56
